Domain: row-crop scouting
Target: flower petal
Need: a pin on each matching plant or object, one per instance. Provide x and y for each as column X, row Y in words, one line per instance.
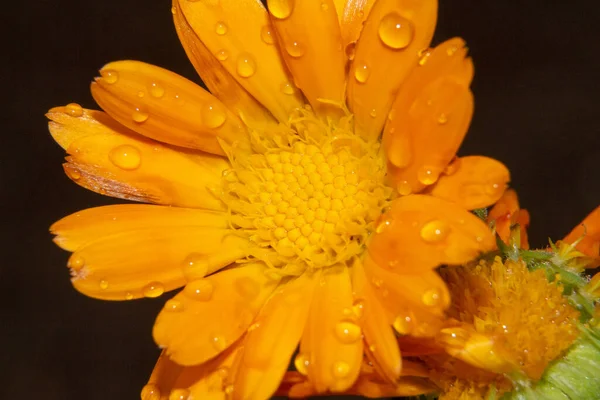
column 421, row 232
column 112, row 160
column 376, row 327
column 415, row 304
column 476, row 182
column 388, row 49
column 170, row 380
column 239, row 31
column 272, row 340
column 217, row 79
column 313, row 52
column 331, row 341
column 507, row 213
column 352, row 15
column 406, row 386
column 429, row 118
column 147, row 262
column 164, row 106
column 588, row 231
column 212, row 313
column 83, row 227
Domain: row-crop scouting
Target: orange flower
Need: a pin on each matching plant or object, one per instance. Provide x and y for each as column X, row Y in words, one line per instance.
column 277, row 207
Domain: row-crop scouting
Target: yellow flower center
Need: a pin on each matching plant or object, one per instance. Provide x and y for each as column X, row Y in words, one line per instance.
column 309, row 193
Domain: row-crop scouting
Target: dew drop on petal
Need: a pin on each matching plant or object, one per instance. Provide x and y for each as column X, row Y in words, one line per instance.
column 404, row 188
column 266, row 35
column 139, row 115
column 403, row 324
column 222, row 55
column 361, row 73
column 228, row 389
column 340, row 369
column 287, row 88
column 129, row 296
column 76, row 262
column 109, row 75
column 383, row 224
column 173, row 10
column 213, row 115
column 347, row 332
column 73, row 174
column 156, row 90
column 373, row 113
column 221, row 28
column 424, row 56
column 153, row 289
column 358, row 308
column 442, row 119
column 179, row 394
column 301, row 362
column 150, row 392
column 173, row 305
column 431, row 297
column 427, row 175
column 103, row 284
column 451, row 50
column 281, row 9
column 200, row 289
column 126, row 157
column 295, row 49
column 435, row 231
column 219, row 343
column 246, row 66
column 195, row 266
column 324, row 6
column 395, row 31
column 74, row 110
column 494, row 189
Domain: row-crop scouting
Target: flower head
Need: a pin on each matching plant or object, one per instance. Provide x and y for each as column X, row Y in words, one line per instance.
column 305, row 203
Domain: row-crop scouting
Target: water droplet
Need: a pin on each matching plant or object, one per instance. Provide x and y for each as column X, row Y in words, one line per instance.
column 222, row 55
column 73, row 174
column 125, row 157
column 266, row 35
column 350, row 50
column 213, row 115
column 494, row 189
column 179, row 394
column 395, row 31
column 428, row 175
column 195, row 266
column 404, row 188
column 229, row 389
column 431, row 297
column 455, row 338
column 358, row 308
column 74, row 110
column 340, row 369
column 109, row 75
column 246, row 66
column 173, row 305
column 221, row 28
column 103, row 285
column 247, row 287
column 361, row 73
column 153, row 289
column 301, row 362
column 281, row 9
column 173, row 10
column 372, row 348
column 287, row 88
column 435, row 231
column 452, row 167
column 451, row 50
column 219, row 343
column 347, row 332
column 373, row 113
column 424, row 56
column 76, row 262
column 139, row 115
column 403, row 324
column 442, row 119
column 383, row 224
column 295, row 49
column 156, row 90
column 140, row 94
column 200, row 289
column 150, row 392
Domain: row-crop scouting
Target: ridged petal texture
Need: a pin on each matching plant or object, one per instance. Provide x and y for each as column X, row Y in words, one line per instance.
column 588, row 234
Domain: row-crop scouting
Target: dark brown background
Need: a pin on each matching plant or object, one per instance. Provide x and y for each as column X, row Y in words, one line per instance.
column 537, row 109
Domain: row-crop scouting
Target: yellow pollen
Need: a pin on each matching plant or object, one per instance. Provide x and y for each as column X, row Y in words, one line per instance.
column 310, row 190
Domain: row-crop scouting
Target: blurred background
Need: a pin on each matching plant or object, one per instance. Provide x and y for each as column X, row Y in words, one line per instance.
column 537, row 110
